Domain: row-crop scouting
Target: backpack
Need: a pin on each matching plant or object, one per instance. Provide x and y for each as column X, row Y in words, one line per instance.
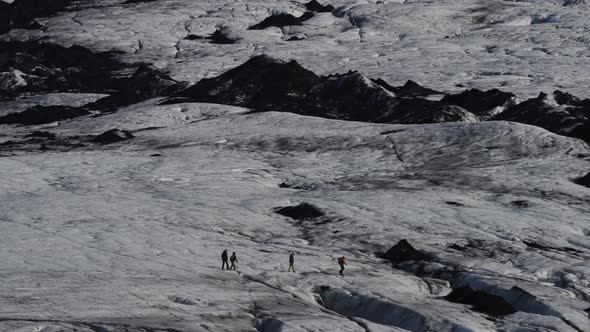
column 342, row 260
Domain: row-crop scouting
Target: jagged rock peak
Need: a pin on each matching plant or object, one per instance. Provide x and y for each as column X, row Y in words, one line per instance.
column 281, row 20
column 480, row 102
column 404, row 251
column 315, row 6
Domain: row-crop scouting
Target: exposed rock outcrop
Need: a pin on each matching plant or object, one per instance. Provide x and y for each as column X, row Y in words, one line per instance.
column 37, row 115
column 112, row 136
column 20, row 13
column 315, row 6
column 302, row 211
column 267, row 84
column 483, row 302
column 221, row 35
column 481, row 103
column 403, row 251
column 146, row 82
column 36, row 67
column 409, row 89
column 281, row 20
column 553, row 113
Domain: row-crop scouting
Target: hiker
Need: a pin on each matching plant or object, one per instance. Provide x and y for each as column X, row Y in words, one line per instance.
column 291, row 262
column 224, row 260
column 233, row 259
column 341, row 262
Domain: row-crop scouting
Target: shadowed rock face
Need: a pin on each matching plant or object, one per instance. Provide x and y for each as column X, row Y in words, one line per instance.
column 6, row 95
column 315, row 6
column 262, row 83
column 584, row 180
column 582, row 132
column 483, row 302
column 43, row 114
column 480, row 102
column 403, row 251
column 281, row 20
column 564, row 98
column 410, row 89
column 220, row 36
column 112, row 136
column 354, row 97
column 267, row 84
column 20, row 13
column 302, row 211
column 145, row 83
column 553, row 113
column 38, row 67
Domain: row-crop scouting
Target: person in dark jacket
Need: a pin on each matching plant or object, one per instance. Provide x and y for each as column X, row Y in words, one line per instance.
column 224, row 263
column 233, row 260
column 341, row 262
column 291, row 262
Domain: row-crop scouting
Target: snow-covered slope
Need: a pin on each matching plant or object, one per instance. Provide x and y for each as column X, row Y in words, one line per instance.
column 106, row 230
column 127, row 236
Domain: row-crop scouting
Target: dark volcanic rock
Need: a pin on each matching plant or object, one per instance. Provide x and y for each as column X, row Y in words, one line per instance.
column 267, row 84
column 37, row 115
column 33, row 25
column 413, row 89
column 404, row 251
column 6, row 95
column 220, row 36
column 39, row 67
column 584, row 180
column 521, row 203
column 410, row 89
column 262, row 83
column 145, row 83
column 354, row 97
column 302, row 211
column 482, row 302
column 21, row 13
column 454, row 203
column 315, row 6
column 194, row 37
column 281, row 20
column 564, row 98
column 543, row 111
column 582, row 132
column 112, row 136
column 481, row 102
column 297, row 186
column 295, row 38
